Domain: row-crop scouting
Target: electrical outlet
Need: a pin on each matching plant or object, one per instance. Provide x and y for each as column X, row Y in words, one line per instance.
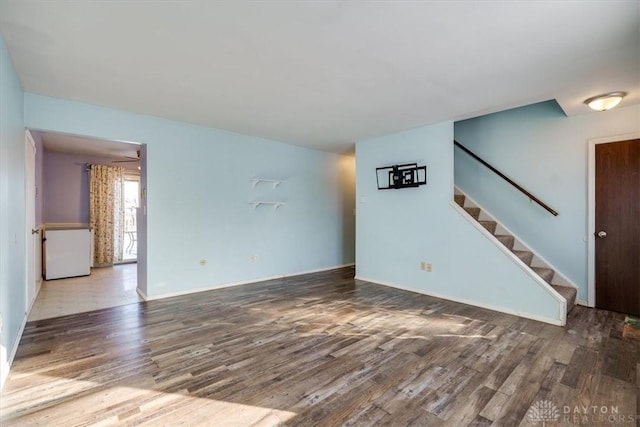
column 203, row 262
column 428, row 267
column 423, row 265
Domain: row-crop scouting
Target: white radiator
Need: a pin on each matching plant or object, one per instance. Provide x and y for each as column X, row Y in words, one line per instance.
column 67, row 252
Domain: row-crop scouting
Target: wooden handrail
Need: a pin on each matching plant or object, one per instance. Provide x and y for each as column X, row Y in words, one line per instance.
column 506, row 178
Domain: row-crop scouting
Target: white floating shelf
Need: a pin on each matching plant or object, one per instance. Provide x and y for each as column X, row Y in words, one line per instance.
column 275, row 205
column 256, row 181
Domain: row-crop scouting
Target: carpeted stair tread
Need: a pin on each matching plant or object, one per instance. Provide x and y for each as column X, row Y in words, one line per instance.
column 506, row 239
column 459, row 199
column 525, row 256
column 545, row 273
column 489, row 225
column 569, row 293
column 474, row 212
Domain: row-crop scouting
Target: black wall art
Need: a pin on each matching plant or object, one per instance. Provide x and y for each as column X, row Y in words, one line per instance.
column 401, row 176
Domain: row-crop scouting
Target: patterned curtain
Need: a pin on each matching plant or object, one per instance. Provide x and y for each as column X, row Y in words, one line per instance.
column 106, row 213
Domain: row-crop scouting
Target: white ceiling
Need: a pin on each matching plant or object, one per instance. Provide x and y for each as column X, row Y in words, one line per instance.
column 324, row 74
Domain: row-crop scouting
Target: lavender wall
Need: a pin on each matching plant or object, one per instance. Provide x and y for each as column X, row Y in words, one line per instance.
column 66, row 186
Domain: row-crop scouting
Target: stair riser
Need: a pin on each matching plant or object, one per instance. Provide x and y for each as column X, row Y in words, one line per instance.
column 545, row 273
column 525, row 256
column 507, row 241
column 489, row 225
column 474, row 212
column 568, row 293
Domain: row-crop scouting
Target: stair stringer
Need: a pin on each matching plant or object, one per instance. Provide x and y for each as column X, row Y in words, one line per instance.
column 538, row 261
column 561, row 317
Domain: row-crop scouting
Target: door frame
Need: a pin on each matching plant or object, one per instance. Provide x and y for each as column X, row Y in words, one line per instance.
column 131, row 176
column 142, row 218
column 591, row 210
column 31, row 276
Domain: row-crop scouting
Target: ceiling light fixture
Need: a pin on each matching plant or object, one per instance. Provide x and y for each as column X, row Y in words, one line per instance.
column 605, row 102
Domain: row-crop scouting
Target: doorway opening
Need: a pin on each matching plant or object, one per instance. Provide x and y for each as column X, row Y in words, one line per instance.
column 63, row 168
column 131, row 204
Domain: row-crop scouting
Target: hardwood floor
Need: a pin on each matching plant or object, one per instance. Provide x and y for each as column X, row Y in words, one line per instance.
column 319, row 350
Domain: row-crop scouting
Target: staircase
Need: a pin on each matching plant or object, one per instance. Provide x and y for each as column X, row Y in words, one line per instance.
column 526, row 256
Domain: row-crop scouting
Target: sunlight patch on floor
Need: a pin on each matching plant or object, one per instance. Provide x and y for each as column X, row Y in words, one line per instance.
column 486, row 337
column 142, row 404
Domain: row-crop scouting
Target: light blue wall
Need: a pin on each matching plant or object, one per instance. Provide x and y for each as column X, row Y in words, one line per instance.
column 545, row 152
column 199, row 192
column 12, row 207
column 398, row 229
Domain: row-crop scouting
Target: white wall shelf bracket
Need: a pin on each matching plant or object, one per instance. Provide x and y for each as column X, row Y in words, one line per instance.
column 256, row 181
column 275, row 205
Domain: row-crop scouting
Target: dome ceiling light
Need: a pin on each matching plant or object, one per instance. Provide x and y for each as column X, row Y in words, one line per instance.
column 606, row 101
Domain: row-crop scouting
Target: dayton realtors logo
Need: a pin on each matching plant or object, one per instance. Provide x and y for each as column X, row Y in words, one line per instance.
column 544, row 411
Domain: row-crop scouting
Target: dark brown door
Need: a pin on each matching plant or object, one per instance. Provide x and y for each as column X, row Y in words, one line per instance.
column 618, row 226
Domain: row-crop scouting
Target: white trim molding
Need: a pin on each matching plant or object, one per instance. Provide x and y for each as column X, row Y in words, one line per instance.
column 245, row 282
column 6, row 365
column 552, row 321
column 559, row 278
column 55, row 225
column 591, row 209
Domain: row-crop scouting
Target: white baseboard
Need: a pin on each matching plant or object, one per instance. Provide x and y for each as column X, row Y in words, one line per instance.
column 35, row 297
column 54, row 225
column 6, row 365
column 142, row 294
column 552, row 321
column 245, row 282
